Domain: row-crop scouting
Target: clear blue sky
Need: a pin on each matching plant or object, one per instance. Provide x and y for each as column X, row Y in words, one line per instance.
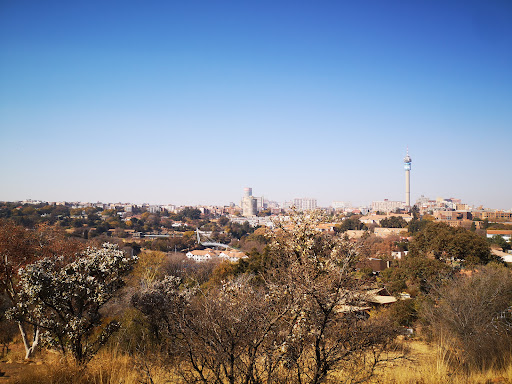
column 187, row 102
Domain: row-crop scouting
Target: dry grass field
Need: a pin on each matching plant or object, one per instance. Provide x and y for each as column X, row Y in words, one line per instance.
column 423, row 365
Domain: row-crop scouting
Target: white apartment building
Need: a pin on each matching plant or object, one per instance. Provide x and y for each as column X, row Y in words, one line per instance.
column 304, row 204
column 386, row 205
column 341, row 205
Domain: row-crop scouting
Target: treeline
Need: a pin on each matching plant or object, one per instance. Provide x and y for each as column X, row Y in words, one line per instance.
column 108, row 224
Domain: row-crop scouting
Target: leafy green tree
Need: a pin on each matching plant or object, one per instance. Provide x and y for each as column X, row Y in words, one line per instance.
column 190, row 213
column 416, row 225
column 393, row 222
column 350, row 223
column 500, row 242
column 416, row 275
column 404, row 312
column 450, row 244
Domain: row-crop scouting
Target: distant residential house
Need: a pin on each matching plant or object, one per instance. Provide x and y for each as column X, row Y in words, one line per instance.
column 376, row 219
column 202, row 255
column 354, row 233
column 232, row 256
column 375, row 264
column 368, row 299
column 211, row 254
column 384, row 232
column 380, row 296
column 326, row 227
column 399, row 254
column 179, row 224
column 506, row 234
column 506, row 257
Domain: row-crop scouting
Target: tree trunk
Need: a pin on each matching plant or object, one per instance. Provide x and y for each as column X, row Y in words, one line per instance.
column 29, row 348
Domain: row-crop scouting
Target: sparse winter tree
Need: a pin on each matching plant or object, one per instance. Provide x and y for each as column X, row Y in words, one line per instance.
column 296, row 322
column 64, row 298
column 325, row 331
column 470, row 316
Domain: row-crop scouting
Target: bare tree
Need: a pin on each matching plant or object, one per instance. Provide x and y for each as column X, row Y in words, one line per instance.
column 223, row 334
column 325, row 329
column 296, row 322
column 471, row 318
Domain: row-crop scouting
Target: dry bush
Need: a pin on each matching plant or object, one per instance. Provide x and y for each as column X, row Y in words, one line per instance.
column 297, row 322
column 470, row 318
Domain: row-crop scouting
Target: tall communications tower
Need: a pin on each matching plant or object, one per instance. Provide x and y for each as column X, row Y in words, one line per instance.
column 407, row 167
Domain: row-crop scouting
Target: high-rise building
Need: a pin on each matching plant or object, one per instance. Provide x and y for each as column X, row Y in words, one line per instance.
column 386, row 206
column 407, row 167
column 304, row 204
column 341, row 205
column 249, row 203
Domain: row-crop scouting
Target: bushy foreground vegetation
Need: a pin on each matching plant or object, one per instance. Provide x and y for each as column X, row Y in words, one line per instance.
column 296, row 311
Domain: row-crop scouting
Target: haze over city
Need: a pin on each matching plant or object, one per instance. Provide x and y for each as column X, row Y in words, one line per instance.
column 189, row 102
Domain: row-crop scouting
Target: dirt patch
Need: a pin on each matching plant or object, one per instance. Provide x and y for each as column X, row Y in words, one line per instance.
column 10, row 371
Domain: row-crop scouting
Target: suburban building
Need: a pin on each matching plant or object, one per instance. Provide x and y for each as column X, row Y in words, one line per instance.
column 492, row 215
column 202, row 255
column 506, row 234
column 212, row 254
column 385, row 232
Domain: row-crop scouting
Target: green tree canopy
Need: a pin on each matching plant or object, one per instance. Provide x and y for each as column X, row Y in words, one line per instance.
column 350, row 223
column 393, row 222
column 446, row 243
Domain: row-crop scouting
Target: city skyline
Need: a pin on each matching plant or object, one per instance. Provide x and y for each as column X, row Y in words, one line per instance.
column 189, row 103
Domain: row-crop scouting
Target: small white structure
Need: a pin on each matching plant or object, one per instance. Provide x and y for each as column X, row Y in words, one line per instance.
column 202, row 255
column 399, row 254
column 232, row 256
column 505, row 234
column 211, row 254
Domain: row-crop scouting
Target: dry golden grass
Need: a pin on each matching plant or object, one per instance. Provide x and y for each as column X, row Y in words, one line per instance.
column 424, row 365
column 108, row 367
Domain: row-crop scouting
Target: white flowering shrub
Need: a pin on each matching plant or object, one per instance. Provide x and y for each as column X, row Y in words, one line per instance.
column 64, row 298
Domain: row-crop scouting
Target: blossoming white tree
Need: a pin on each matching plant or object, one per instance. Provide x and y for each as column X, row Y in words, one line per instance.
column 64, row 298
column 19, row 247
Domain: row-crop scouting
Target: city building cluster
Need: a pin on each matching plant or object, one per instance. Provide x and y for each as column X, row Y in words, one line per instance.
column 258, row 210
